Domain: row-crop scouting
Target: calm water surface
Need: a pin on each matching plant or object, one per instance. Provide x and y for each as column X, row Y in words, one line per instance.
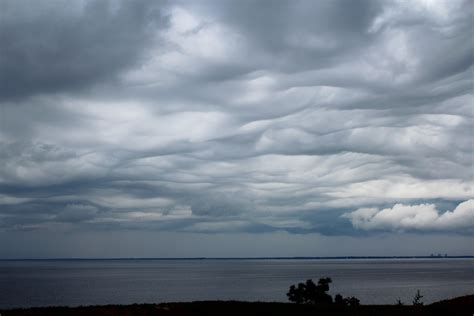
column 44, row 283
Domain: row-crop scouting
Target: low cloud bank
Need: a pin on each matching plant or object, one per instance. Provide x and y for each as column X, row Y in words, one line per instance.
column 414, row 217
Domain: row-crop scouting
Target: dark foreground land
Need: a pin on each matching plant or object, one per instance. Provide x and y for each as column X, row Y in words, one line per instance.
column 458, row 306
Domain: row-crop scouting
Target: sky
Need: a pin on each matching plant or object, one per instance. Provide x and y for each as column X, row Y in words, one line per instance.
column 236, row 128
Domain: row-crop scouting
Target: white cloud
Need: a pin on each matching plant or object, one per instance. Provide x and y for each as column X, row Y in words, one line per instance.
column 414, row 217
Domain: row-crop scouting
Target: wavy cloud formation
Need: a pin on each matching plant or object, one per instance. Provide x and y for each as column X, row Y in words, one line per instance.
column 236, row 116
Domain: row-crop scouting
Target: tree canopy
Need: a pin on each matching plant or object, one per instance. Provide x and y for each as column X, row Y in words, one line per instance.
column 311, row 293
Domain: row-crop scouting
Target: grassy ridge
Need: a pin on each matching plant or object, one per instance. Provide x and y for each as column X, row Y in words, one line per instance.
column 458, row 306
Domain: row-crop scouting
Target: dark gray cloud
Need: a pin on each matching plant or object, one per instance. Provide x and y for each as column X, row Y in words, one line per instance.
column 321, row 119
column 57, row 46
column 301, row 35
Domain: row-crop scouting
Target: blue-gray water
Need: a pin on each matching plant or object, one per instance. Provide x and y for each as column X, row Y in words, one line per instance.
column 44, row 283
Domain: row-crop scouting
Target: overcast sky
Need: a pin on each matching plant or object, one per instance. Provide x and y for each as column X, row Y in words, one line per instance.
column 236, row 128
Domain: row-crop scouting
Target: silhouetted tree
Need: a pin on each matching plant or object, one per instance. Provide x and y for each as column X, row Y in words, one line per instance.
column 348, row 301
column 297, row 294
column 399, row 302
column 311, row 293
column 417, row 299
column 352, row 301
column 339, row 300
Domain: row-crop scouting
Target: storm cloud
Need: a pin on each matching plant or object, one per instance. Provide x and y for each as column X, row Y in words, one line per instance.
column 336, row 118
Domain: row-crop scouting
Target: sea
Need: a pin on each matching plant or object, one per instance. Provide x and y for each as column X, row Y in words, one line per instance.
column 28, row 283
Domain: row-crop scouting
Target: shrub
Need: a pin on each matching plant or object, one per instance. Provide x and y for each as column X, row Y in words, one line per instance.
column 352, row 301
column 348, row 301
column 417, row 299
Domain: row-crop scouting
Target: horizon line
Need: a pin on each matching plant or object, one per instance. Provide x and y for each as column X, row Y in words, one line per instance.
column 242, row 258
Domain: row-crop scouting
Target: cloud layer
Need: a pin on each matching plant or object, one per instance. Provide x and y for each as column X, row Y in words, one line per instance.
column 236, row 116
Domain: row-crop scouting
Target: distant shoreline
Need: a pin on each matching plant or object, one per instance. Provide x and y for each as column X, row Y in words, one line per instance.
column 456, row 306
column 241, row 258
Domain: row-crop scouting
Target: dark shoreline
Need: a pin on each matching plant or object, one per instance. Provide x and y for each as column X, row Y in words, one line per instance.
column 463, row 305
